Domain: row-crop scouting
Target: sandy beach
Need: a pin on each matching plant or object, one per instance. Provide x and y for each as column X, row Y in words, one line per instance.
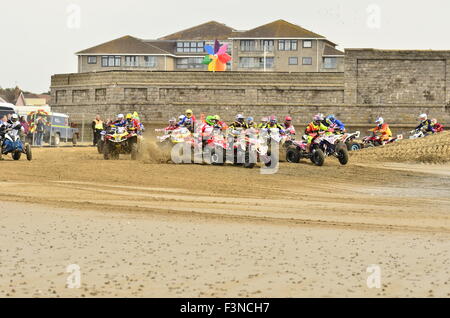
column 146, row 229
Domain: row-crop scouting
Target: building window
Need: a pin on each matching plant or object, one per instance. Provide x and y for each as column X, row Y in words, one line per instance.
column 257, row 46
column 190, row 63
column 255, row 62
column 150, row 61
column 191, row 47
column 307, row 61
column 287, row 45
column 111, row 61
column 131, row 61
column 330, row 62
column 307, row 44
column 293, row 61
column 92, row 60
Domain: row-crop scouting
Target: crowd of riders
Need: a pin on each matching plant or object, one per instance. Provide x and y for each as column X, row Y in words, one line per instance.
column 320, row 124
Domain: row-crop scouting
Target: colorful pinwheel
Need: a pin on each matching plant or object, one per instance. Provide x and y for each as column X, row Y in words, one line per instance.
column 217, row 57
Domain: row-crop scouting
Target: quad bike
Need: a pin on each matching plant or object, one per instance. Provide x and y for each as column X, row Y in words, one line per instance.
column 173, row 137
column 12, row 144
column 267, row 139
column 298, row 150
column 120, row 140
column 332, row 145
column 419, row 133
column 375, row 141
column 215, row 148
column 349, row 140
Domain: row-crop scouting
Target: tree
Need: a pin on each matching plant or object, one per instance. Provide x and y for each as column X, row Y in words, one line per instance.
column 10, row 95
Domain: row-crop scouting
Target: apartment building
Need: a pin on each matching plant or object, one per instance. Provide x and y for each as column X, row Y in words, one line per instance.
column 279, row 46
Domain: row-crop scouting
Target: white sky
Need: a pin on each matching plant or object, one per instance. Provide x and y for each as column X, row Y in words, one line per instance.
column 36, row 41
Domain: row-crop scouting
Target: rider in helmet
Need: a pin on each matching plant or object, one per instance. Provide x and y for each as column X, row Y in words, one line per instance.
column 188, row 120
column 437, row 127
column 251, row 122
column 220, row 123
column 288, row 127
column 334, row 123
column 172, row 125
column 264, row 122
column 120, row 121
column 131, row 123
column 383, row 129
column 313, row 129
column 425, row 124
column 239, row 123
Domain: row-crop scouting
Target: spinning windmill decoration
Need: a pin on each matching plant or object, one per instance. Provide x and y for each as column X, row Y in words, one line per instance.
column 217, row 57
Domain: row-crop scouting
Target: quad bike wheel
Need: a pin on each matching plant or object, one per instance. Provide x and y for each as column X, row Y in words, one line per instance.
column 16, row 155
column 318, row 157
column 292, row 155
column 354, row 146
column 249, row 162
column 28, row 152
column 342, row 153
column 134, row 151
column 216, row 157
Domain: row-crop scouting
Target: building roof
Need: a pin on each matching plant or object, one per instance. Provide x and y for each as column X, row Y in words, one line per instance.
column 279, row 29
column 331, row 51
column 211, row 30
column 125, row 45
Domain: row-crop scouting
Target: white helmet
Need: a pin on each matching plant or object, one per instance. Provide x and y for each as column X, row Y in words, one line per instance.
column 379, row 121
column 120, row 116
column 239, row 116
column 318, row 117
column 423, row 117
column 14, row 116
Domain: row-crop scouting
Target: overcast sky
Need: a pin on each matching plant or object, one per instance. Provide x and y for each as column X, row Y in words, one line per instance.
column 39, row 38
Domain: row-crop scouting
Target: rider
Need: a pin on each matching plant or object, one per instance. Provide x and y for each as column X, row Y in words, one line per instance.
column 251, row 123
column 120, row 121
column 239, row 123
column 332, row 122
column 437, row 127
column 188, row 120
column 288, row 127
column 132, row 123
column 383, row 129
column 313, row 129
column 264, row 122
column 220, row 123
column 425, row 124
column 172, row 125
column 273, row 124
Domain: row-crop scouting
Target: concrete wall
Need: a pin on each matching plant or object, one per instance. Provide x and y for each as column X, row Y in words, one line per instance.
column 398, row 85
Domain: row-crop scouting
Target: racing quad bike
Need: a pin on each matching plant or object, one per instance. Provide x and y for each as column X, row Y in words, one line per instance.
column 215, row 148
column 331, row 145
column 12, row 144
column 298, row 150
column 120, row 140
column 375, row 141
column 349, row 141
column 419, row 133
column 174, row 137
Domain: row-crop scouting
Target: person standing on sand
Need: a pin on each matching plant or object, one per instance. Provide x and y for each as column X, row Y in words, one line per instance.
column 97, row 127
column 40, row 127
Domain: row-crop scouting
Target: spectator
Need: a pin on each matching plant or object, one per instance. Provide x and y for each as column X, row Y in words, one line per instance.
column 26, row 127
column 40, row 128
column 97, row 127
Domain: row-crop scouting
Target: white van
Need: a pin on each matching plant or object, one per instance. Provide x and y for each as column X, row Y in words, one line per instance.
column 7, row 108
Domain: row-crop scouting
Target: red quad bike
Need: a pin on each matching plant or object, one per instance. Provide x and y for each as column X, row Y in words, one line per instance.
column 375, row 140
column 215, row 149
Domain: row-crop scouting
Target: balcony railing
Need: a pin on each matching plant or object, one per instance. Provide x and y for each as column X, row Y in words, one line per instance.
column 245, row 48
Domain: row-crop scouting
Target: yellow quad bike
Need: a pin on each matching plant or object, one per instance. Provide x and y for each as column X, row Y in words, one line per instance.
column 120, row 140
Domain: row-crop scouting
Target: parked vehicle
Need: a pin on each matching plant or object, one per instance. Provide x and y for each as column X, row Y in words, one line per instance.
column 57, row 127
column 7, row 108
